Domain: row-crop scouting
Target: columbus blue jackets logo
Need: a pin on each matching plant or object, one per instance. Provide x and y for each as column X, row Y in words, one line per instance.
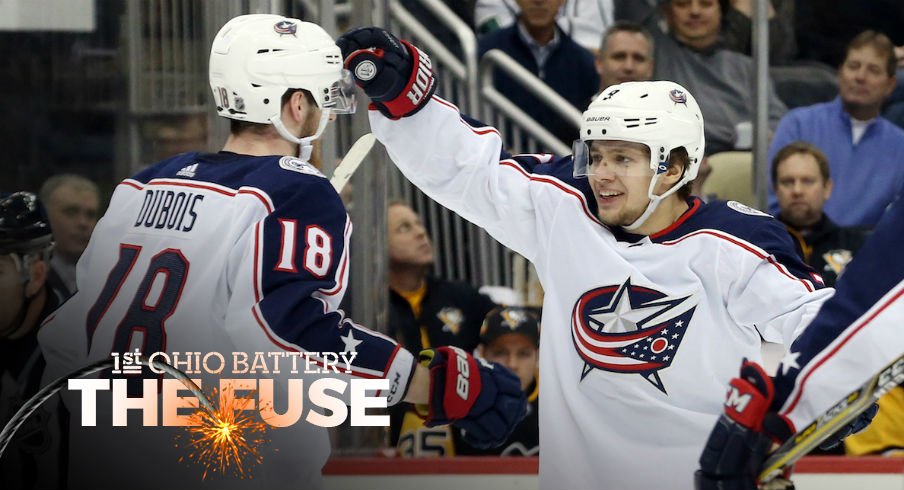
column 678, row 96
column 630, row 329
column 285, row 27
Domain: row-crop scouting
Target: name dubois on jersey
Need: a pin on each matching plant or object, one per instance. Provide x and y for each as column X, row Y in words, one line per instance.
column 171, row 210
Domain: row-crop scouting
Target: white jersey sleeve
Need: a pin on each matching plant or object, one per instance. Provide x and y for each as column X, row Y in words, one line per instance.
column 459, row 166
column 855, row 334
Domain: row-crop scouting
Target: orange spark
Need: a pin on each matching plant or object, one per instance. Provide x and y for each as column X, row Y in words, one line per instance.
column 226, row 441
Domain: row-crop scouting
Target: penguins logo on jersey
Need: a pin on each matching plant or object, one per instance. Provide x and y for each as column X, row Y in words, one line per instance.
column 630, row 329
column 837, row 260
column 452, row 319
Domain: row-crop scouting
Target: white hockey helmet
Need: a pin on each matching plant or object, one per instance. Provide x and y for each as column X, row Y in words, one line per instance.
column 662, row 115
column 256, row 58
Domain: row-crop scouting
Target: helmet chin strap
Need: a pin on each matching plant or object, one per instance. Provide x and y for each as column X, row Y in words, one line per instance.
column 654, row 202
column 306, row 144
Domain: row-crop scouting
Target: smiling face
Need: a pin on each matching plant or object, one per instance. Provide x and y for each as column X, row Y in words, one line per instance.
column 620, row 174
column 694, row 22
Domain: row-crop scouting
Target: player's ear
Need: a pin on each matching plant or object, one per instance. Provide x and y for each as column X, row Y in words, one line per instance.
column 298, row 106
column 36, row 278
column 678, row 162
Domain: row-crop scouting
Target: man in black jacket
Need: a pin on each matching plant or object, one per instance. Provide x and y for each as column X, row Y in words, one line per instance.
column 800, row 172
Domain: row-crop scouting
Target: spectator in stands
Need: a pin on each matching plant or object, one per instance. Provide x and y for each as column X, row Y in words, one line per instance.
column 73, row 205
column 425, row 312
column 737, row 28
column 885, row 435
column 625, row 55
column 802, row 183
column 548, row 52
column 511, row 336
column 584, row 21
column 865, row 150
column 692, row 56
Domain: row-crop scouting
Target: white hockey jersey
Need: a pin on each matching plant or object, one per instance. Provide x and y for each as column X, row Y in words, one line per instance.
column 214, row 253
column 856, row 333
column 640, row 334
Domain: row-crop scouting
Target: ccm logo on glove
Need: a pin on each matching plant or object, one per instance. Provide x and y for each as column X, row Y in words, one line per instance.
column 737, row 401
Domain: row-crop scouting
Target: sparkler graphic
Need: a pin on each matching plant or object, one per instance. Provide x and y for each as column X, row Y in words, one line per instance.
column 225, row 440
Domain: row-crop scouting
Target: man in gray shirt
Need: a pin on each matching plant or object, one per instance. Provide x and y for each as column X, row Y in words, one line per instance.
column 692, row 55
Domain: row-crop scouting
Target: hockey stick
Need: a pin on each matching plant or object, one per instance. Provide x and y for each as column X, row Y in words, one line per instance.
column 836, row 417
column 352, row 159
column 47, row 392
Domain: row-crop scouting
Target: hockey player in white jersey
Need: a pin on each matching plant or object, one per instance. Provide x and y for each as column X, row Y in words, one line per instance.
column 244, row 251
column 652, row 296
column 856, row 333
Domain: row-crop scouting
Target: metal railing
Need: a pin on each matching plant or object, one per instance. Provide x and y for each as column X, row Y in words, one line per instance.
column 464, row 251
column 501, row 112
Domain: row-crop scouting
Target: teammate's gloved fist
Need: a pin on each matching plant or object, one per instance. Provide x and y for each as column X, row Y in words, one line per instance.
column 397, row 76
column 483, row 399
column 743, row 435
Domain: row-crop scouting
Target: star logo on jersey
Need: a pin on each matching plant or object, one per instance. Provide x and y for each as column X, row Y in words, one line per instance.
column 351, row 343
column 629, row 329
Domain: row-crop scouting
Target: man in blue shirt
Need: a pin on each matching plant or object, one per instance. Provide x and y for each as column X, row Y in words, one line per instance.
column 865, row 150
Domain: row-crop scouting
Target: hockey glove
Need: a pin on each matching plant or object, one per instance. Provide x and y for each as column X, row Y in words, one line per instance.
column 743, row 435
column 397, row 76
column 482, row 399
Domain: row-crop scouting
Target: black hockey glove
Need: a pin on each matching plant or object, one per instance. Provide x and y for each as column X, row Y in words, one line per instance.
column 482, row 399
column 397, row 76
column 746, row 431
column 743, row 435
